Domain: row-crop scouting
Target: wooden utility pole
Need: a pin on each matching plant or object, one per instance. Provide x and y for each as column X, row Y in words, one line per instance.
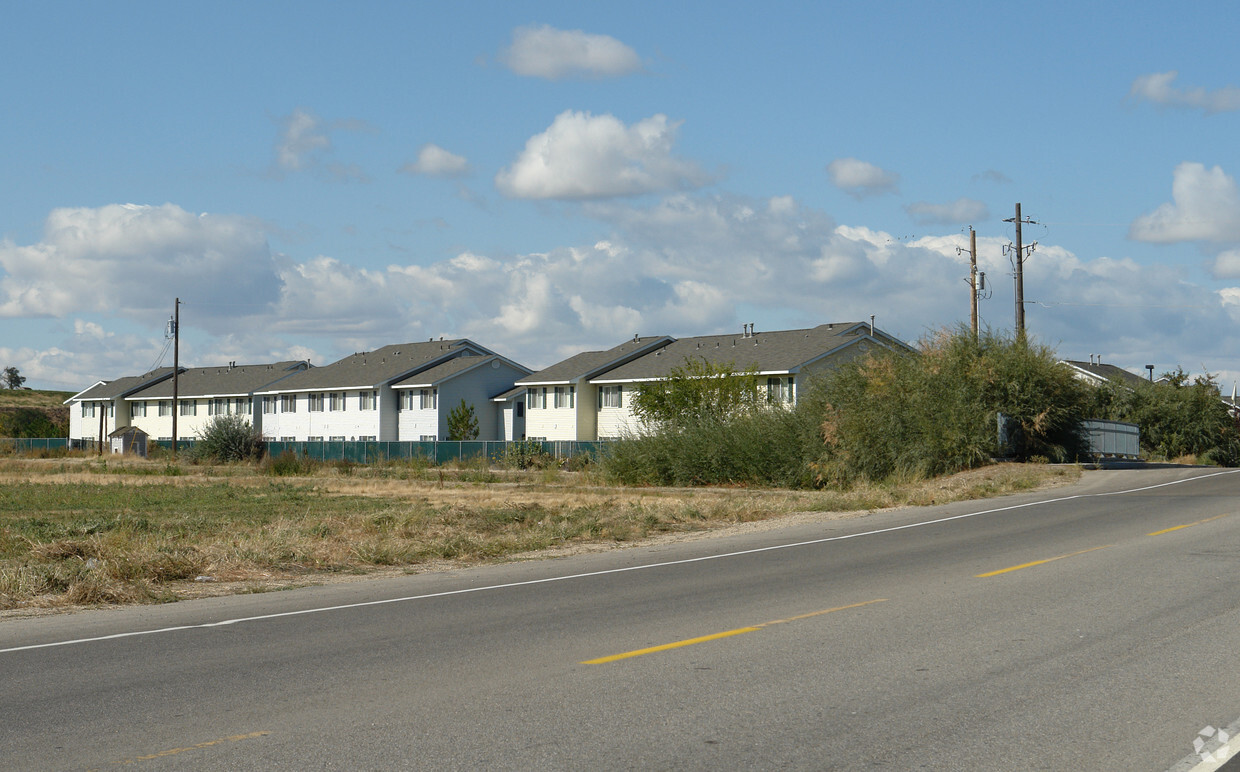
column 973, row 282
column 176, row 371
column 1018, row 266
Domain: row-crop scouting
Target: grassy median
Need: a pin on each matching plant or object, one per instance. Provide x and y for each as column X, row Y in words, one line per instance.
column 84, row 531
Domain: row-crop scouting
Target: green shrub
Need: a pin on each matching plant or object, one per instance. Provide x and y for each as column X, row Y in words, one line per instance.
column 900, row 415
column 287, row 464
column 1177, row 417
column 228, row 438
column 527, row 454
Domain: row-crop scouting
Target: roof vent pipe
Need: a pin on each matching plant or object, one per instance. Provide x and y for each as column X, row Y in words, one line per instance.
column 871, row 325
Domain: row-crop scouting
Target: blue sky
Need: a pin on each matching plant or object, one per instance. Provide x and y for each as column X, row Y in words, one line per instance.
column 314, row 179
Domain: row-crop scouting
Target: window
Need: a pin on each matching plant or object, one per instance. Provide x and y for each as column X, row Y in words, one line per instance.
column 536, row 399
column 336, row 402
column 313, row 438
column 427, row 438
column 428, row 399
column 316, row 403
column 244, row 405
column 269, row 405
column 288, row 439
column 611, row 396
column 189, row 407
column 565, row 396
column 217, row 407
column 165, row 408
column 288, row 403
column 366, row 438
column 137, row 410
column 779, row 389
column 111, row 410
column 520, row 409
column 367, row 399
column 88, row 409
column 336, row 438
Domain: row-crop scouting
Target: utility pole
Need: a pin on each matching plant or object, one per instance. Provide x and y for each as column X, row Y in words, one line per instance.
column 1018, row 264
column 972, row 281
column 176, row 371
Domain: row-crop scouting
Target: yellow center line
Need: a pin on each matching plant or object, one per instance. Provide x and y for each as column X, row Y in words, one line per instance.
column 1187, row 525
column 1039, row 562
column 195, row 746
column 725, row 634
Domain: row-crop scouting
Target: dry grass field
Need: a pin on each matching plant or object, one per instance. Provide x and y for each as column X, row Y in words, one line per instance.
column 81, row 530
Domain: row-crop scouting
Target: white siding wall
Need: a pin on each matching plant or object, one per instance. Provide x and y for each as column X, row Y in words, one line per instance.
column 351, row 422
column 476, row 387
column 616, row 422
column 190, row 426
column 88, row 427
column 550, row 422
column 418, row 423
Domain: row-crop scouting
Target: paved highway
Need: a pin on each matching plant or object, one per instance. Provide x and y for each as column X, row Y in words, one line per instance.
column 1094, row 627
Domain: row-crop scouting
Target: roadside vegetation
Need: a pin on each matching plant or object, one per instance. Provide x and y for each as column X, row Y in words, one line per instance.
column 80, row 530
column 890, row 429
column 33, row 413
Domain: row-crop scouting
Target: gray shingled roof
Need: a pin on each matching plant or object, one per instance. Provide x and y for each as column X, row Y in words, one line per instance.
column 121, row 387
column 221, row 381
column 781, row 351
column 1106, row 372
column 445, row 370
column 591, row 363
column 371, row 369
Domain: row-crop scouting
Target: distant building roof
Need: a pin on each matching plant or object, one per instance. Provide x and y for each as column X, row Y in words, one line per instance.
column 781, row 351
column 590, row 363
column 371, row 369
column 436, row 374
column 121, row 387
column 222, row 381
column 1098, row 373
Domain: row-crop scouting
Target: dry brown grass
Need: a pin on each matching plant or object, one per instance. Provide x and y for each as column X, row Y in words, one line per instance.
column 89, row 531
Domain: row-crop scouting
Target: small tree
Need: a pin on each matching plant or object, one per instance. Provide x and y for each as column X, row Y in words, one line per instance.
column 462, row 423
column 12, row 378
column 695, row 392
column 228, row 438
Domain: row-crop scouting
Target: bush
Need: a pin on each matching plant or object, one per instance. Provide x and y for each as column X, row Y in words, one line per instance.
column 762, row 448
column 1177, row 418
column 527, row 454
column 287, row 464
column 899, row 415
column 228, row 438
column 31, row 422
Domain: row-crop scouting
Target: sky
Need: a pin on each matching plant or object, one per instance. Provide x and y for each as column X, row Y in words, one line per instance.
column 314, row 179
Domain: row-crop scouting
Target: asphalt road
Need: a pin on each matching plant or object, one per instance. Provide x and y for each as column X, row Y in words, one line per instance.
column 1085, row 628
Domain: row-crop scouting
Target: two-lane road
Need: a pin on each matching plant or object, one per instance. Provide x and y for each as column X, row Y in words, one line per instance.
column 1093, row 627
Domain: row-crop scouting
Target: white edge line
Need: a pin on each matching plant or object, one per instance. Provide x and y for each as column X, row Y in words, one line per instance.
column 567, row 577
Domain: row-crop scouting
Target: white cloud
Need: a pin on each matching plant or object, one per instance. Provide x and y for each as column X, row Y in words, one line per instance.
column 962, row 210
column 433, row 160
column 305, row 144
column 860, row 178
column 1226, row 265
column 1205, row 207
column 1157, row 88
column 302, row 138
column 685, row 265
column 547, row 52
column 132, row 261
column 583, row 156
